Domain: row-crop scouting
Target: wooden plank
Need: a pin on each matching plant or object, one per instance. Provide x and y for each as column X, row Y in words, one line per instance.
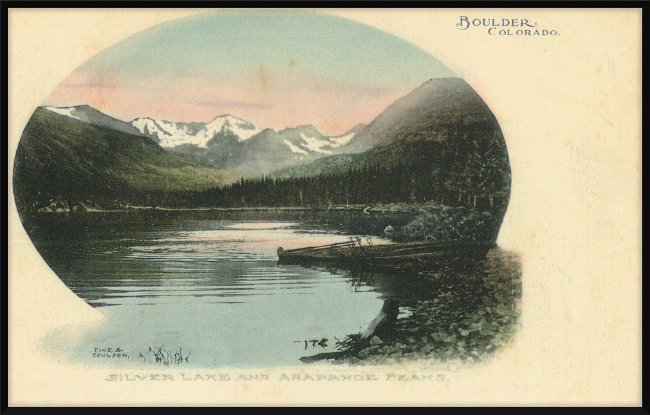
column 312, row 248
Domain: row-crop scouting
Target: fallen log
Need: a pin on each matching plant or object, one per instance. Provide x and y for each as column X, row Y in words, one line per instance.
column 384, row 254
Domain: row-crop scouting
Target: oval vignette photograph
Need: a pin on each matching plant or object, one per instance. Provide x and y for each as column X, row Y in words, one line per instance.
column 254, row 189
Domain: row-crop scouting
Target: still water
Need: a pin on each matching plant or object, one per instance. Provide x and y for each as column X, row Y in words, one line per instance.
column 206, row 290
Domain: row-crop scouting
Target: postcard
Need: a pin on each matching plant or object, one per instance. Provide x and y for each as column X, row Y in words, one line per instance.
column 324, row 207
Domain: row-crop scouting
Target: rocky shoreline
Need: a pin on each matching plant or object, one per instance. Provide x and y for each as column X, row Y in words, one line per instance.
column 466, row 319
column 476, row 339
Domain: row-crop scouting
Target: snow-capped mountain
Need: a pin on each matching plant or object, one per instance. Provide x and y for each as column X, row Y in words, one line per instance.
column 266, row 151
column 226, row 142
column 311, row 141
column 173, row 134
column 227, row 130
column 306, row 139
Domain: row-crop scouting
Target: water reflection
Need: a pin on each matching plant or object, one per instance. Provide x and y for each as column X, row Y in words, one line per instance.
column 209, row 284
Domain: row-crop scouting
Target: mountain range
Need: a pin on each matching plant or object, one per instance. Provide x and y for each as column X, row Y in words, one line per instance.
column 441, row 134
column 304, row 139
column 226, row 142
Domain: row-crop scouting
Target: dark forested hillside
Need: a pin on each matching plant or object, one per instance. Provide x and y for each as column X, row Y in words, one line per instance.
column 449, row 146
column 63, row 160
column 414, row 182
column 409, row 111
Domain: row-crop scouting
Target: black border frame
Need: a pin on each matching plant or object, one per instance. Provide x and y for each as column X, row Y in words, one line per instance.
column 242, row 4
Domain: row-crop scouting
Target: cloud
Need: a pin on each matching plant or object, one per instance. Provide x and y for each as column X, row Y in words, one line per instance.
column 361, row 90
column 234, row 104
column 81, row 85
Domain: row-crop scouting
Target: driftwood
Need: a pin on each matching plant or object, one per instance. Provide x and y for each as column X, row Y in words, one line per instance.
column 383, row 327
column 315, row 248
column 392, row 255
column 322, row 356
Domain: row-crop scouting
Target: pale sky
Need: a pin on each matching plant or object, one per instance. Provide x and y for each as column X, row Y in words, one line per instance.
column 275, row 69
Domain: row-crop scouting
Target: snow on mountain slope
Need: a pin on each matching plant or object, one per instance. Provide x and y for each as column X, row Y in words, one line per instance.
column 294, row 149
column 315, row 145
column 173, row 134
column 341, row 140
column 303, row 139
column 67, row 111
column 243, row 129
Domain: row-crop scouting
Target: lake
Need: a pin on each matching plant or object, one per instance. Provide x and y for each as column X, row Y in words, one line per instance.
column 205, row 289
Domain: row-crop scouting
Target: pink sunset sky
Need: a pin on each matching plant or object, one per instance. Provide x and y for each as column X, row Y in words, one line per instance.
column 267, row 100
column 276, row 69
